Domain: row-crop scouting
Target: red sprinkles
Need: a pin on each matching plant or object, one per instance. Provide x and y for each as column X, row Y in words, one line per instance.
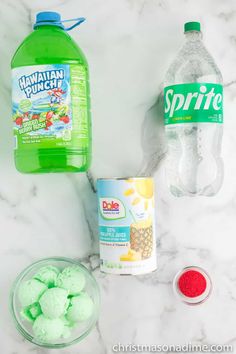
column 192, row 283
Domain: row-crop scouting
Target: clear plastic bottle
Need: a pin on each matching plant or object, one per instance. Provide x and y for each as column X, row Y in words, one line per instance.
column 193, row 97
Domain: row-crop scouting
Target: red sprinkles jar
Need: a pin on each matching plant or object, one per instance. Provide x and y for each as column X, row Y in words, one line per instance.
column 192, row 285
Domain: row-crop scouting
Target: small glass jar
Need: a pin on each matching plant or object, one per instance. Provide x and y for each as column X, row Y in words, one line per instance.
column 196, row 300
column 78, row 333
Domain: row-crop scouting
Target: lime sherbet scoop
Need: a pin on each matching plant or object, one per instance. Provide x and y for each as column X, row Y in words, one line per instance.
column 47, row 275
column 71, row 279
column 81, row 308
column 54, row 302
column 30, row 291
column 48, row 330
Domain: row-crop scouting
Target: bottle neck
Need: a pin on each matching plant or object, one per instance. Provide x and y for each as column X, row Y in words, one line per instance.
column 193, row 36
column 43, row 27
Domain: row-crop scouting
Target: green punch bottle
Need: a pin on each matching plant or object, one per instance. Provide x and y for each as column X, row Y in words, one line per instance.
column 51, row 105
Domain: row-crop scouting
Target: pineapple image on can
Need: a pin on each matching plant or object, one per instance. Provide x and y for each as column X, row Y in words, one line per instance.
column 141, row 238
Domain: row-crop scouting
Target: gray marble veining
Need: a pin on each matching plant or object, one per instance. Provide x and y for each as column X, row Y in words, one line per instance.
column 129, row 45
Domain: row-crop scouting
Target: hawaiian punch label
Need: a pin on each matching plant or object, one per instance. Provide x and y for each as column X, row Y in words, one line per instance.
column 192, row 103
column 50, row 106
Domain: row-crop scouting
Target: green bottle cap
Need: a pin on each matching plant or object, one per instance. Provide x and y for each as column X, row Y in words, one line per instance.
column 192, row 26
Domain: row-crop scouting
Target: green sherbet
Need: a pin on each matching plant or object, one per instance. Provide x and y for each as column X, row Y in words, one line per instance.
column 81, row 308
column 31, row 312
column 71, row 279
column 66, row 332
column 66, row 322
column 47, row 275
column 35, row 310
column 30, row 291
column 48, row 330
column 54, row 302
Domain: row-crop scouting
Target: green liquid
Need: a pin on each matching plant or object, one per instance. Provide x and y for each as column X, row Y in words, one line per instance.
column 52, row 45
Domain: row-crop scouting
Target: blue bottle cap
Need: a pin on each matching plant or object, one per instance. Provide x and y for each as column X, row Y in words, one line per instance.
column 48, row 18
column 54, row 19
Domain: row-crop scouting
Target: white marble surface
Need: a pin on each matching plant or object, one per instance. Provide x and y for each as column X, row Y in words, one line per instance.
column 129, row 45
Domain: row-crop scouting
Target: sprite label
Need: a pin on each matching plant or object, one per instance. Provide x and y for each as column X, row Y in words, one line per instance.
column 192, row 103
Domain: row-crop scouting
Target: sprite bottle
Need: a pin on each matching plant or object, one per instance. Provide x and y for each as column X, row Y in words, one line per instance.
column 193, row 99
column 50, row 94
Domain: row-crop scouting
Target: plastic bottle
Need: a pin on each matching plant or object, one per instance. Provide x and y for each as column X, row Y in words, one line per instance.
column 193, row 100
column 51, row 105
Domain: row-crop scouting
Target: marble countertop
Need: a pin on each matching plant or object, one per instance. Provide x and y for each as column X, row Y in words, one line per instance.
column 129, row 45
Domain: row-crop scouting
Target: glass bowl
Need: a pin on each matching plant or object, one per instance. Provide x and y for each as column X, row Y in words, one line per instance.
column 77, row 333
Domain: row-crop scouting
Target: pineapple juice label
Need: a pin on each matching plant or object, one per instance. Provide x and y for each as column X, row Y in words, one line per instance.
column 127, row 225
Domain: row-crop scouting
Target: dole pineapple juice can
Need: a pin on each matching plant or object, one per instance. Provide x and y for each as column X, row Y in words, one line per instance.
column 127, row 225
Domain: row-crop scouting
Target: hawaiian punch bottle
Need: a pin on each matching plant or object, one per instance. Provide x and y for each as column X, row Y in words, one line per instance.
column 193, row 97
column 50, row 93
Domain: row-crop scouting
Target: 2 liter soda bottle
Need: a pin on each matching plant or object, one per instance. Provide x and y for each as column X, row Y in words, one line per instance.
column 51, row 107
column 193, row 111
